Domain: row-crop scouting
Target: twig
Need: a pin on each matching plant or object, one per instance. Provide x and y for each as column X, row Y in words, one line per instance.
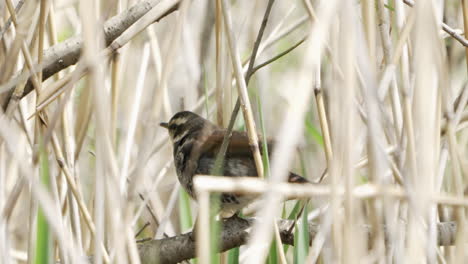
column 388, row 50
column 445, row 27
column 8, row 23
column 235, row 111
column 67, row 53
column 142, row 229
column 263, row 64
column 29, row 65
column 318, row 92
column 290, row 130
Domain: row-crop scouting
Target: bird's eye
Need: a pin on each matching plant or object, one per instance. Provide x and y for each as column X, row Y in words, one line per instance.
column 172, row 126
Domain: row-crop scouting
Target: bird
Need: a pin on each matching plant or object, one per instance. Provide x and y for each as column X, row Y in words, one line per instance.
column 196, row 142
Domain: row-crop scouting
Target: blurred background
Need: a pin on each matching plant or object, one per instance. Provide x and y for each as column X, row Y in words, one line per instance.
column 367, row 93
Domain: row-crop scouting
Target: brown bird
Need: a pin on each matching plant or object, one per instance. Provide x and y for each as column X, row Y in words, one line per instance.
column 196, row 143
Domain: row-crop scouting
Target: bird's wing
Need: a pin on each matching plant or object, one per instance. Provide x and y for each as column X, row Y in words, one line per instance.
column 239, row 152
column 238, row 144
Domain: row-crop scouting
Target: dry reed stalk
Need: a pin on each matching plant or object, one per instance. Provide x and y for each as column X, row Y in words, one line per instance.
column 203, row 221
column 169, row 61
column 407, row 83
column 29, row 65
column 242, row 89
column 133, row 121
column 351, row 240
column 116, row 72
column 290, row 130
column 250, row 185
column 318, row 92
column 219, row 65
column 9, row 133
column 427, row 59
column 92, row 43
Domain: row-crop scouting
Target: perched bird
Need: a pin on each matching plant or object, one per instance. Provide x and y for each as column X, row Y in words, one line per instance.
column 196, row 143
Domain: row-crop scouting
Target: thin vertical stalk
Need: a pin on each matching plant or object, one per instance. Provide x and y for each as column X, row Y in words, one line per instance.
column 318, row 92
column 290, row 129
column 43, row 240
column 115, row 92
column 465, row 25
column 427, row 63
column 92, row 42
column 456, row 167
column 368, row 16
column 68, row 142
column 202, row 227
column 346, row 133
column 219, row 65
column 243, row 99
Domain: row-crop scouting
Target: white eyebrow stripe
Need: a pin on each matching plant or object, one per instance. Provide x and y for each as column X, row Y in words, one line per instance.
column 178, row 121
column 180, row 136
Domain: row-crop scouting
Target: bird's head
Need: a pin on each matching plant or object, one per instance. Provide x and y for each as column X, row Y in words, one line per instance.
column 185, row 123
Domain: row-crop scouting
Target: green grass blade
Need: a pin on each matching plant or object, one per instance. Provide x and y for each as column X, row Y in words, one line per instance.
column 233, row 256
column 313, row 132
column 185, row 213
column 273, row 253
column 266, row 160
column 43, row 239
column 301, row 239
column 215, row 228
column 292, row 215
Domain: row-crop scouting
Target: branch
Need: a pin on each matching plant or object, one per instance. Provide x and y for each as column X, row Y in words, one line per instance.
column 445, row 28
column 235, row 233
column 67, row 53
column 235, row 111
column 263, row 64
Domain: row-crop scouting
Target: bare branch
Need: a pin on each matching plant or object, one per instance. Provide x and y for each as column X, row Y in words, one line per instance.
column 67, row 53
column 235, row 233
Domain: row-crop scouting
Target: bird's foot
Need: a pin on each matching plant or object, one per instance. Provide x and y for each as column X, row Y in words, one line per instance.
column 192, row 235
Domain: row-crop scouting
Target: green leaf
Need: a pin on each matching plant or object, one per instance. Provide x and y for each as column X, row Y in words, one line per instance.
column 389, row 7
column 301, row 239
column 273, row 254
column 43, row 239
column 215, row 228
column 296, row 209
column 233, row 256
column 185, row 213
column 294, row 212
column 265, row 158
column 313, row 132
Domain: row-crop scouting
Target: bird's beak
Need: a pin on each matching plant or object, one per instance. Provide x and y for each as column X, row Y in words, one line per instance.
column 165, row 125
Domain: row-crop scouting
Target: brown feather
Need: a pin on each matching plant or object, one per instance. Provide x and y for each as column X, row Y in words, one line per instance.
column 238, row 144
